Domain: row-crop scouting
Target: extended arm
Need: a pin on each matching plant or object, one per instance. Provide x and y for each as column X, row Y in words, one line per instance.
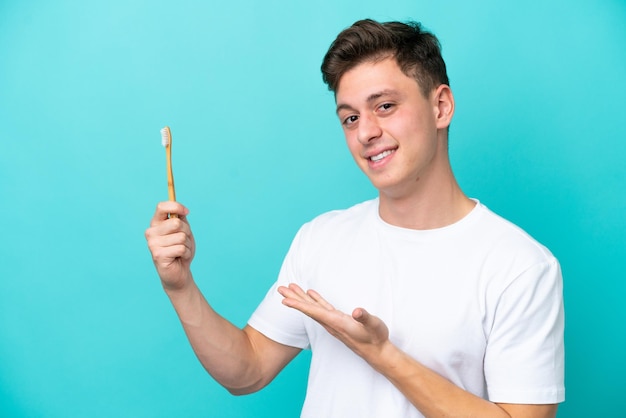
column 243, row 361
column 430, row 393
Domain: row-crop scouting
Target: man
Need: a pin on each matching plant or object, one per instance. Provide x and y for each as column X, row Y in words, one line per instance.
column 421, row 302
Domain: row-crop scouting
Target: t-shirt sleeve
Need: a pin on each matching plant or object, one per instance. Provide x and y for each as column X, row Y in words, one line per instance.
column 524, row 360
column 275, row 320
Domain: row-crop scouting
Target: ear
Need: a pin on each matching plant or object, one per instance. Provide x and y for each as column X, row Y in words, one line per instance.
column 443, row 102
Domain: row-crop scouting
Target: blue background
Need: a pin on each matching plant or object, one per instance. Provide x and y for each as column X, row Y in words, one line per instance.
column 85, row 329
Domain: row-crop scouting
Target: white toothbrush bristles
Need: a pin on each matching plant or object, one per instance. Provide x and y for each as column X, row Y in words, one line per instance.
column 165, row 136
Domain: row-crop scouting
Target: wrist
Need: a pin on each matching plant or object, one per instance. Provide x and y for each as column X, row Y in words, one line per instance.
column 180, row 286
column 388, row 360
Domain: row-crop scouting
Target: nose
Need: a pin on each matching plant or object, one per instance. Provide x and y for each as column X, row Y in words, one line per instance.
column 368, row 129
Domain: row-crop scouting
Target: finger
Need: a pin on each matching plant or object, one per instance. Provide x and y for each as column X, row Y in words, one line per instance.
column 298, row 291
column 164, row 209
column 156, row 238
column 284, row 291
column 178, row 238
column 300, row 294
column 168, row 227
column 165, row 255
column 171, row 239
column 319, row 299
column 296, row 298
column 293, row 292
column 292, row 300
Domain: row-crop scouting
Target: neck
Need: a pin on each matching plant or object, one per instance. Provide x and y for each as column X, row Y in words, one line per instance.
column 430, row 205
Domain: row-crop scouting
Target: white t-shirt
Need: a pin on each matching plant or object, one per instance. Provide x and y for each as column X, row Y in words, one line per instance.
column 478, row 301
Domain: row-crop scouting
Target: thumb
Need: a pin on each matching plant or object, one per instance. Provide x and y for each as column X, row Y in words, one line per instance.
column 372, row 324
column 361, row 315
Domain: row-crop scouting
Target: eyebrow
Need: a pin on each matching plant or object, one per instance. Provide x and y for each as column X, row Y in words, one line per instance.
column 372, row 97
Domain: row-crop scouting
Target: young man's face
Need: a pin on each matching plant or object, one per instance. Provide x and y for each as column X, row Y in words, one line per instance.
column 391, row 129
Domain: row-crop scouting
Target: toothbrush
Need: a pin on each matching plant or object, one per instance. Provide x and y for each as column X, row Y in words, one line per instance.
column 166, row 141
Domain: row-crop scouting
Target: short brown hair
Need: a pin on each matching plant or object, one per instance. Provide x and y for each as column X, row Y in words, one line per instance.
column 417, row 52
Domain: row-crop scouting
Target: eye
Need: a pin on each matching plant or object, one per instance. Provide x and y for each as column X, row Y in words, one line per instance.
column 350, row 120
column 386, row 107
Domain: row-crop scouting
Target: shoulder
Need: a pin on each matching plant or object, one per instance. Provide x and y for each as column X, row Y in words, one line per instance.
column 336, row 221
column 335, row 229
column 509, row 252
column 505, row 236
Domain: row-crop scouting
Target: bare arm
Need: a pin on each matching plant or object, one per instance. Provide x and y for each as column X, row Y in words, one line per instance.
column 243, row 361
column 436, row 396
column 430, row 393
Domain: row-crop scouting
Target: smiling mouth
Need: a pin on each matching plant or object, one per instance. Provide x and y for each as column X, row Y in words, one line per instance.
column 380, row 156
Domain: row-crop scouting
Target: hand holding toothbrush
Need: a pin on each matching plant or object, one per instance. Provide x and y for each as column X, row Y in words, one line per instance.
column 169, row 237
column 172, row 244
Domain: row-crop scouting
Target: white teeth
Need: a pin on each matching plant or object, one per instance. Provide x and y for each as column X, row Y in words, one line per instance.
column 381, row 155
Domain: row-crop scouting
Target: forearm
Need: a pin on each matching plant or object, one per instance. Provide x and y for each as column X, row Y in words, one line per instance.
column 430, row 393
column 435, row 396
column 243, row 361
column 224, row 350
